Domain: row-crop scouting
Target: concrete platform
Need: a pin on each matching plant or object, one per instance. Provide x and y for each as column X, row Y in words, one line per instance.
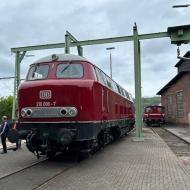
column 180, row 131
column 127, row 165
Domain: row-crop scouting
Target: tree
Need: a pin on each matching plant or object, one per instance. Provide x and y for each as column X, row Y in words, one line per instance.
column 6, row 104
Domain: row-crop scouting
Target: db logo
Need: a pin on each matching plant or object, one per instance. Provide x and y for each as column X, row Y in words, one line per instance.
column 45, row 94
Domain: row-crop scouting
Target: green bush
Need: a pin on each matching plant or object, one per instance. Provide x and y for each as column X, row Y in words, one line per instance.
column 6, row 106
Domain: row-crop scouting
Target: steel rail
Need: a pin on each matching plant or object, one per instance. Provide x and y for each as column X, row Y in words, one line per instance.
column 20, row 170
column 40, row 186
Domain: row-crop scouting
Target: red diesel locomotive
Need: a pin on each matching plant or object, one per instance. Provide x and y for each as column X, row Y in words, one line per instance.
column 154, row 115
column 67, row 103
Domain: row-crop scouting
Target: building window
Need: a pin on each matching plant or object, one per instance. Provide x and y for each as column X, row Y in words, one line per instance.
column 179, row 104
column 169, row 105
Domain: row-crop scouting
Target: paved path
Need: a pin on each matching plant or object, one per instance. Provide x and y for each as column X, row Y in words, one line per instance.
column 180, row 131
column 128, row 165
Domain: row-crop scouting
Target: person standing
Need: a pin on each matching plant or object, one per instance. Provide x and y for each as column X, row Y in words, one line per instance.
column 14, row 127
column 3, row 133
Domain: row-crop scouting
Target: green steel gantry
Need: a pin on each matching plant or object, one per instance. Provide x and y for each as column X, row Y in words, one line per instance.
column 178, row 35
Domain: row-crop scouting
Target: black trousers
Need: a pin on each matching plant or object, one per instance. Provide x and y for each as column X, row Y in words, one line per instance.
column 18, row 144
column 3, row 141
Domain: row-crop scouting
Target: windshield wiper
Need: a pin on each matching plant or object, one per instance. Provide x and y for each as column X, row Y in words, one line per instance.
column 66, row 67
column 35, row 69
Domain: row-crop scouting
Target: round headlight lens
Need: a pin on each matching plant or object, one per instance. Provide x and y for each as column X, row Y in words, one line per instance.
column 63, row 111
column 72, row 112
column 29, row 112
column 23, row 113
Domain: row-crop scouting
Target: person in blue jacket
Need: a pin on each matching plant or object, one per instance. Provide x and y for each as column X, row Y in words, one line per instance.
column 3, row 133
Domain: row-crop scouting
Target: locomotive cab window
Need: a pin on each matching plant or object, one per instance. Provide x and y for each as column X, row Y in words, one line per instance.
column 148, row 109
column 69, row 70
column 37, row 72
column 160, row 109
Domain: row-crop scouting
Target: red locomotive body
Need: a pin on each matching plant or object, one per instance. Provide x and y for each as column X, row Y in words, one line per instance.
column 68, row 103
column 154, row 114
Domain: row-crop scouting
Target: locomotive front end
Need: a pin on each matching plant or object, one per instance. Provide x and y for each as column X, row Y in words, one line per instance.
column 51, row 104
column 154, row 115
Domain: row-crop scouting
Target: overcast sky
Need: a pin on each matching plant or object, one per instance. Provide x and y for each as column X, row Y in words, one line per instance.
column 34, row 22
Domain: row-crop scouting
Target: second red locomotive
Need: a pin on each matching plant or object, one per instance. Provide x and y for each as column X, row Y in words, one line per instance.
column 154, row 115
column 67, row 103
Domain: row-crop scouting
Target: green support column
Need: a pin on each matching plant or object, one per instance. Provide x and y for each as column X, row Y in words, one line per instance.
column 80, row 50
column 16, row 80
column 18, row 59
column 73, row 39
column 137, row 74
column 21, row 56
column 67, row 43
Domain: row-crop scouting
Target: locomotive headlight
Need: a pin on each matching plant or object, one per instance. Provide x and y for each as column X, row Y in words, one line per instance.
column 72, row 112
column 28, row 112
column 63, row 111
column 23, row 113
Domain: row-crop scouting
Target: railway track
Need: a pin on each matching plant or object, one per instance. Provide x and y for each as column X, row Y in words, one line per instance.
column 20, row 170
column 40, row 186
column 180, row 147
column 36, row 175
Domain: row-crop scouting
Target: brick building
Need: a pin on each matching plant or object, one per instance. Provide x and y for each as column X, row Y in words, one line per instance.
column 175, row 95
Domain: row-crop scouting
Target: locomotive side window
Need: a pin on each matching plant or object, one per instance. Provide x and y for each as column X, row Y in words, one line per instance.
column 37, row 72
column 100, row 76
column 104, row 78
column 94, row 72
column 118, row 88
column 122, row 92
column 114, row 87
column 127, row 95
column 131, row 97
column 109, row 85
column 69, row 70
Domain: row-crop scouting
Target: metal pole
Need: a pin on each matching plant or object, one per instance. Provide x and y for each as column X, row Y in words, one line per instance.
column 110, row 65
column 67, row 43
column 137, row 74
column 16, row 79
column 110, row 48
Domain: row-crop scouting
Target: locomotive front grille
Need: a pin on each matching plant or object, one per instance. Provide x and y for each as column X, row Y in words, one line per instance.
column 48, row 112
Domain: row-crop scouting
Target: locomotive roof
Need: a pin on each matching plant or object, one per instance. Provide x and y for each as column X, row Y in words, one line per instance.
column 62, row 57
column 68, row 57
